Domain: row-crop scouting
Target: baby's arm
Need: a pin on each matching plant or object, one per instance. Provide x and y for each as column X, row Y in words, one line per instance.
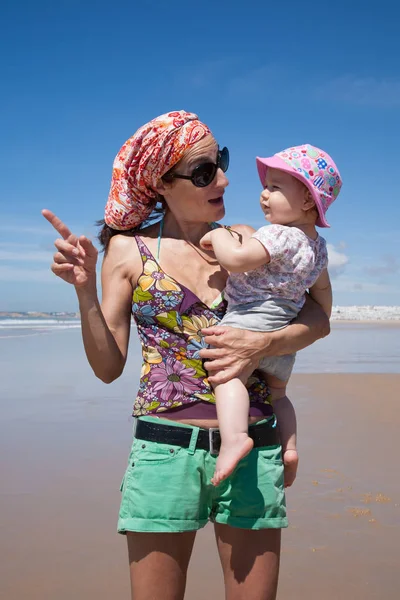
column 234, row 256
column 321, row 292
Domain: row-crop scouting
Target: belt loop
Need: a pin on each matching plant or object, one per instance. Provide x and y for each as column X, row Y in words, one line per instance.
column 135, row 422
column 193, row 440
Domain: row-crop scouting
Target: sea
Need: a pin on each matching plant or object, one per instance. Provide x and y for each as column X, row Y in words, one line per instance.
column 351, row 347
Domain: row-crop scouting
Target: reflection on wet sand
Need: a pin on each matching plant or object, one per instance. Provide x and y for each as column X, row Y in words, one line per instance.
column 63, row 449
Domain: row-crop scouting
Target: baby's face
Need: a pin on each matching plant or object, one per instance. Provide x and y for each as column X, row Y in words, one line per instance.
column 282, row 199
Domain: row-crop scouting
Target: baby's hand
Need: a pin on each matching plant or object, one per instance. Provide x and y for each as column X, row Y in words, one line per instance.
column 206, row 243
column 290, row 463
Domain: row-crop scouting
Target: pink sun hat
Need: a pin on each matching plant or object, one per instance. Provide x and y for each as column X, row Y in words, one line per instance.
column 313, row 167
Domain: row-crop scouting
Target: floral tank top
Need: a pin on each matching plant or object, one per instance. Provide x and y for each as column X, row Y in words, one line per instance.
column 169, row 318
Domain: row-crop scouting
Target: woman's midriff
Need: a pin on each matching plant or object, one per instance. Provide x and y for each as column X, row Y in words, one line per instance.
column 206, row 423
column 204, row 414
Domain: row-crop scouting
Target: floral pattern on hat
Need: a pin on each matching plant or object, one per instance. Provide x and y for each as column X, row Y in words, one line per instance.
column 314, row 167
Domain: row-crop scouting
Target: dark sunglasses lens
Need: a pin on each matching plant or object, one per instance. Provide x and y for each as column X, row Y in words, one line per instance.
column 224, row 159
column 204, row 174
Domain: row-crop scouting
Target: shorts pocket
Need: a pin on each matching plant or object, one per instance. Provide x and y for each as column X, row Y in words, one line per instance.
column 154, row 453
column 271, row 454
column 148, row 454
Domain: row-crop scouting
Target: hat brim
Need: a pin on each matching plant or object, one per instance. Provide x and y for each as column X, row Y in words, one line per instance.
column 275, row 162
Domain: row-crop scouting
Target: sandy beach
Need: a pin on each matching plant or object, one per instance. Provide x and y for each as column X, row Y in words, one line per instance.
column 64, row 440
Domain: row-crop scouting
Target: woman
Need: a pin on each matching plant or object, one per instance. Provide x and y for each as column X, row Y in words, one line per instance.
column 159, row 273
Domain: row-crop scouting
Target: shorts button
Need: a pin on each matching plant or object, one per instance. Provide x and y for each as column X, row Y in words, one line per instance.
column 143, row 445
column 172, row 451
column 133, row 464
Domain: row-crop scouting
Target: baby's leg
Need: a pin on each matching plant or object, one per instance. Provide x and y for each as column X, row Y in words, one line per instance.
column 232, row 401
column 286, row 418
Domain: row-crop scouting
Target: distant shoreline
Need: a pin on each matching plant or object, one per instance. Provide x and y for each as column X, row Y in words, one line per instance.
column 395, row 322
column 340, row 314
column 38, row 315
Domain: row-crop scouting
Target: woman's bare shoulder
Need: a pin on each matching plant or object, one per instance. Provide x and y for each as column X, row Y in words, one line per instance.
column 123, row 243
column 120, row 244
column 122, row 255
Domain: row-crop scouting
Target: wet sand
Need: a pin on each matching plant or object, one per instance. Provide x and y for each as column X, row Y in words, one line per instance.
column 60, row 492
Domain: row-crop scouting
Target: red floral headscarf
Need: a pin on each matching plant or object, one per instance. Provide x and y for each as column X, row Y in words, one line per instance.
column 143, row 160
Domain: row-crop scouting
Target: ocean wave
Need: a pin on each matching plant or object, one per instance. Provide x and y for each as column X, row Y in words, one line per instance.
column 39, row 323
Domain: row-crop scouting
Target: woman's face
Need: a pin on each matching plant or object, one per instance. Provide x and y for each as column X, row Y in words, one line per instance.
column 191, row 203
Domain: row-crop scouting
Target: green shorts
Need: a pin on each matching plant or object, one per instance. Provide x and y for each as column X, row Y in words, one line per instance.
column 167, row 488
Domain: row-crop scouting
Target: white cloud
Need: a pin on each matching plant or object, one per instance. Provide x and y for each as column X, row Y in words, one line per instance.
column 18, row 246
column 19, row 228
column 14, row 274
column 12, row 224
column 347, row 284
column 205, row 74
column 27, row 256
column 253, row 82
column 337, row 260
column 247, row 83
column 362, row 91
column 389, row 265
column 363, row 235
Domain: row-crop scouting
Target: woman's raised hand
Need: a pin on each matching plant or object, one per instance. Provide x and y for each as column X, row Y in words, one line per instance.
column 76, row 257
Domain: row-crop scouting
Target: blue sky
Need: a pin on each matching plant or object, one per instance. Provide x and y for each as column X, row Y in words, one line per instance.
column 79, row 77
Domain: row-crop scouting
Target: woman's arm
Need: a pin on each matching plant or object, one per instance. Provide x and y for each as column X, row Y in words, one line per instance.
column 234, row 350
column 321, row 292
column 105, row 330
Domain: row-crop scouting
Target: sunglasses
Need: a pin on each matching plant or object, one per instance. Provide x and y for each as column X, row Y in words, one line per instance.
column 204, row 174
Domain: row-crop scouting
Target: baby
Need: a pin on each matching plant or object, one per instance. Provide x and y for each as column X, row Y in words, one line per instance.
column 270, row 272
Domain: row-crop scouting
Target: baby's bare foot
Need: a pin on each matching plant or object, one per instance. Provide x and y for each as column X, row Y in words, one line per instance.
column 229, row 456
column 290, row 463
